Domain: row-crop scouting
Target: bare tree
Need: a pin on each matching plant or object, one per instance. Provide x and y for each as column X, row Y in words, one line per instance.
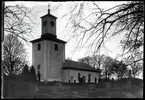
column 19, row 20
column 107, row 67
column 137, row 69
column 103, row 62
column 14, row 55
column 95, row 61
column 86, row 60
column 93, row 30
column 120, row 69
column 135, row 61
column 33, row 72
column 98, row 59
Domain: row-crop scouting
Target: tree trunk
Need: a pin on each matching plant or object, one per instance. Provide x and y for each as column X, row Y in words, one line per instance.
column 99, row 73
column 12, row 66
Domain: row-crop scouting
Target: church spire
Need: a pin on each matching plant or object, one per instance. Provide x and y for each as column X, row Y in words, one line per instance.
column 48, row 8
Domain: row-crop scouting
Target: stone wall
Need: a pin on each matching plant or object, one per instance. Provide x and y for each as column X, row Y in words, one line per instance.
column 13, row 86
column 123, row 83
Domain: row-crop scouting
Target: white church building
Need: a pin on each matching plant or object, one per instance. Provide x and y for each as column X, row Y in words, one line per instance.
column 48, row 57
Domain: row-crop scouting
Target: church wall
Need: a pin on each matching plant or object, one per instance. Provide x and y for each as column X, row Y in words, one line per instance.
column 74, row 73
column 46, row 60
column 65, row 75
column 38, row 57
column 54, row 61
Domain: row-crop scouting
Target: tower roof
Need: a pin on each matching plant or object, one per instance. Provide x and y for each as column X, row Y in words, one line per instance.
column 50, row 37
column 49, row 13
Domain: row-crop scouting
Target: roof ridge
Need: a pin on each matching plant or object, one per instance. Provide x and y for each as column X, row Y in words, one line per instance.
column 80, row 63
column 77, row 62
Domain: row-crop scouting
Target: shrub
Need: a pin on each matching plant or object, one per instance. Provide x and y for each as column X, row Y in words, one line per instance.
column 33, row 73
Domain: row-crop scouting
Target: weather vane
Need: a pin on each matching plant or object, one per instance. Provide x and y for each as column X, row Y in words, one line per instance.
column 48, row 8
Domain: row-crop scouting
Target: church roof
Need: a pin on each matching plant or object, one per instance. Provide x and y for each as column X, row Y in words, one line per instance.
column 50, row 37
column 79, row 66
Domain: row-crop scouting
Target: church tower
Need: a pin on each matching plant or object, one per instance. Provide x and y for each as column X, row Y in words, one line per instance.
column 48, row 52
column 48, row 23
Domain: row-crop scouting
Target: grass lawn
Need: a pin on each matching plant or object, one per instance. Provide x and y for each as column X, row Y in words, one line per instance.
column 81, row 91
column 48, row 92
column 84, row 93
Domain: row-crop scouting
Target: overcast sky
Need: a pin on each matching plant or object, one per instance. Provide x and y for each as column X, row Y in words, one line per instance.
column 58, row 9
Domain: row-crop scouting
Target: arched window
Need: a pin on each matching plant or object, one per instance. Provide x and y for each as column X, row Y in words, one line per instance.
column 56, row 47
column 79, row 75
column 89, row 78
column 95, row 80
column 39, row 46
column 38, row 74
